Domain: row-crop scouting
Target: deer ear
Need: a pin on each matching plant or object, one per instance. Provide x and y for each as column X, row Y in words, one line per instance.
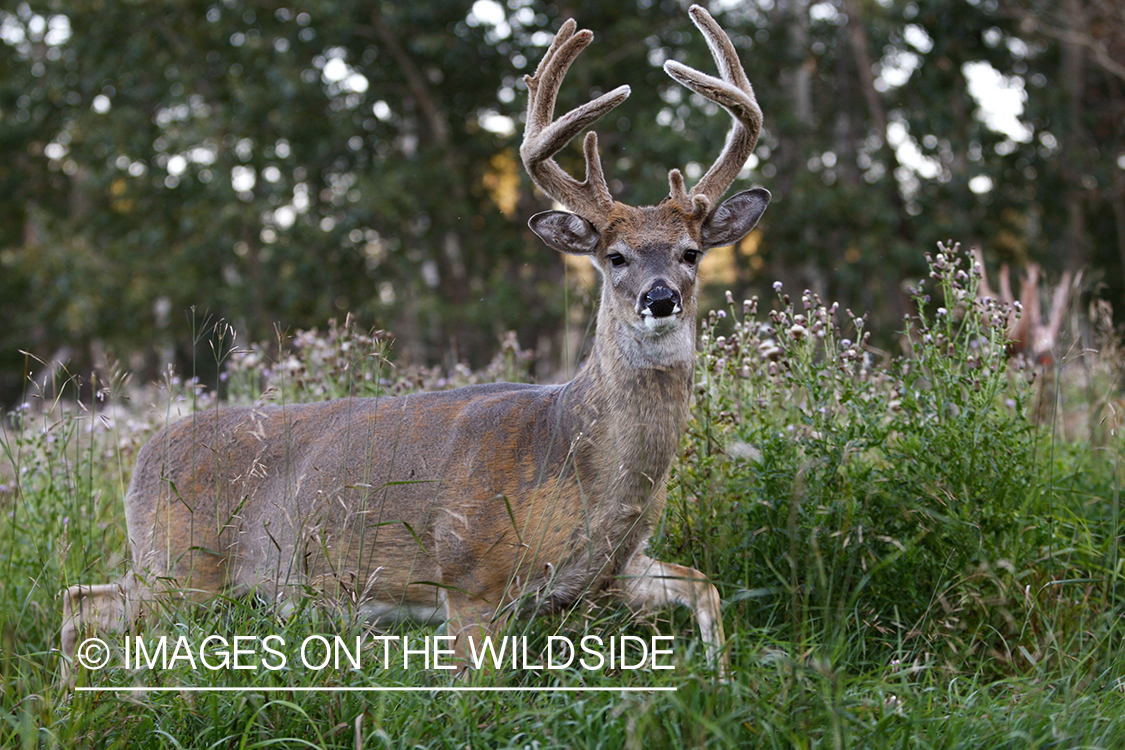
column 566, row 232
column 735, row 217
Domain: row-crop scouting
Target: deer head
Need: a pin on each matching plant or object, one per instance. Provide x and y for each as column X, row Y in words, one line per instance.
column 648, row 256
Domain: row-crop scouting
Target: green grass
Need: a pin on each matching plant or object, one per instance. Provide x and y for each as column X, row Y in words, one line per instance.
column 908, row 553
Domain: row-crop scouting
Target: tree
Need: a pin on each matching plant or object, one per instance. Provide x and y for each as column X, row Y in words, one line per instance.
column 277, row 166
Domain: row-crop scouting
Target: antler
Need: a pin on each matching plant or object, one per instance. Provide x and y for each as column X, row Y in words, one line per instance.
column 1028, row 333
column 734, row 93
column 544, row 137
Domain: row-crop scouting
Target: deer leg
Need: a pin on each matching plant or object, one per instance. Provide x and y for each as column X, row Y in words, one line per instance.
column 105, row 608
column 650, row 584
column 470, row 621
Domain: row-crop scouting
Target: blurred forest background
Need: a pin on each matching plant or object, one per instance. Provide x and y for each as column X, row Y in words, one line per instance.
column 273, row 165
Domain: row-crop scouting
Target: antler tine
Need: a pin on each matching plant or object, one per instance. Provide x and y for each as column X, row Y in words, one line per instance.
column 544, row 136
column 1048, row 333
column 734, row 93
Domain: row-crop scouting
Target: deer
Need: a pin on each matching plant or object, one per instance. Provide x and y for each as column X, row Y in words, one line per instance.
column 1028, row 335
column 468, row 506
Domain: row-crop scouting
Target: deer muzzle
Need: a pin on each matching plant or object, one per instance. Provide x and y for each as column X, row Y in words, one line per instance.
column 661, row 301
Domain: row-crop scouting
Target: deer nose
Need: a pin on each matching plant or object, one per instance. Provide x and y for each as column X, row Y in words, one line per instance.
column 661, row 301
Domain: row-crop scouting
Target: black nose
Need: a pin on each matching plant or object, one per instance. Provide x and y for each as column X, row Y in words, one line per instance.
column 662, row 301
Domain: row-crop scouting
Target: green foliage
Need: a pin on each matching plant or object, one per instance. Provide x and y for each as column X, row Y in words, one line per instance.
column 846, row 500
column 905, row 559
column 273, row 165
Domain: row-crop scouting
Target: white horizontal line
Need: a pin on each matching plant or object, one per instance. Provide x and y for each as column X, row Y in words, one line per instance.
column 374, row 689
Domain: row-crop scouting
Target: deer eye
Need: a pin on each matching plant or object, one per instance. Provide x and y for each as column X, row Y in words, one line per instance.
column 617, row 259
column 691, row 256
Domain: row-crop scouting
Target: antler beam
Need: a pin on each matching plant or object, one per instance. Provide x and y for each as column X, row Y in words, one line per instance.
column 544, row 136
column 734, row 93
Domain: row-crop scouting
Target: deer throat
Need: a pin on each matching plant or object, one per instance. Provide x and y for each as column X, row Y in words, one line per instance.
column 631, row 420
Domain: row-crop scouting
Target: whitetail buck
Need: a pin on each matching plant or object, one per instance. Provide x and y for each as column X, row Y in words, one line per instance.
column 465, row 506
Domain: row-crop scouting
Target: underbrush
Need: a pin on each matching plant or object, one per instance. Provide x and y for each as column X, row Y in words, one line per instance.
column 896, row 503
column 908, row 552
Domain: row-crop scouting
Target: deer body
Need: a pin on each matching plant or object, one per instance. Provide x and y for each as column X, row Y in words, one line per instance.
column 356, row 499
column 468, row 505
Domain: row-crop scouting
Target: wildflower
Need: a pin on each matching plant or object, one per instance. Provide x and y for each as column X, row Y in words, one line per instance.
column 777, row 286
column 740, row 449
column 769, row 351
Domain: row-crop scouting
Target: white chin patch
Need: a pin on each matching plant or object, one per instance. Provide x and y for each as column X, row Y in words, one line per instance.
column 653, row 324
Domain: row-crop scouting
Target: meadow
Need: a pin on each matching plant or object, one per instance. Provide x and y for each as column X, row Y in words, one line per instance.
column 916, row 548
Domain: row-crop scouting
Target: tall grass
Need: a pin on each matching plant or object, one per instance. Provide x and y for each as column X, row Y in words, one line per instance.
column 869, row 502
column 909, row 555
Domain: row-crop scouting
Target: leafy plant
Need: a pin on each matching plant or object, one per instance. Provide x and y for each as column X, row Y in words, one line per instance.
column 852, row 492
column 906, row 558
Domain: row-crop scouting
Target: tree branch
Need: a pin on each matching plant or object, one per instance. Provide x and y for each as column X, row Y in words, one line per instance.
column 416, row 82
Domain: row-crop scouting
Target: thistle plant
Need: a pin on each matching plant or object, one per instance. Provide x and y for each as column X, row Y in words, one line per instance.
column 344, row 361
column 855, row 489
column 311, row 365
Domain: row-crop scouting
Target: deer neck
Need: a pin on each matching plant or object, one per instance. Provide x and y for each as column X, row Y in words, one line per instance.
column 632, row 401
